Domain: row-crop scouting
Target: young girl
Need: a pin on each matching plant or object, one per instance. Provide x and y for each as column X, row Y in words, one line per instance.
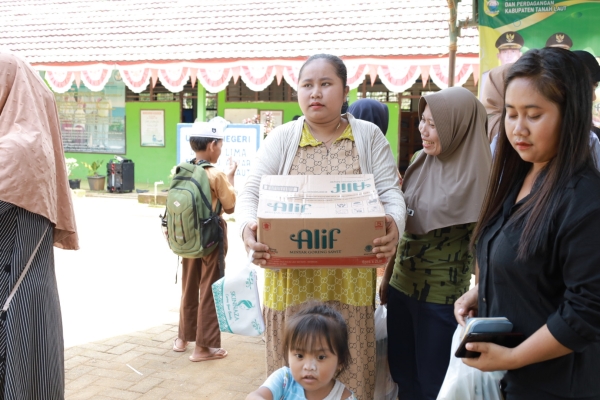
column 315, row 344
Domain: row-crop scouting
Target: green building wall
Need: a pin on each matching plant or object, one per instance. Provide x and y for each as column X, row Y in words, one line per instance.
column 154, row 164
column 290, row 109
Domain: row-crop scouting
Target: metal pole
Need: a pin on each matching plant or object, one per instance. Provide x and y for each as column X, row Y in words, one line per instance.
column 453, row 29
column 399, row 144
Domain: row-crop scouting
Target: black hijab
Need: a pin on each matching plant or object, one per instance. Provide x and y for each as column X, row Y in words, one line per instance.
column 372, row 111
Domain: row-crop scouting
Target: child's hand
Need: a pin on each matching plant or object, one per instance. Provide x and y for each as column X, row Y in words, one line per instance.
column 231, row 166
column 261, row 394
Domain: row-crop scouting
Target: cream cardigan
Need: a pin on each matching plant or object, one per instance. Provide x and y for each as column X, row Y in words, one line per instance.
column 277, row 152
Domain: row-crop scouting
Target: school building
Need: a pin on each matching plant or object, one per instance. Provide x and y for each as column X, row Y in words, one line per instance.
column 125, row 73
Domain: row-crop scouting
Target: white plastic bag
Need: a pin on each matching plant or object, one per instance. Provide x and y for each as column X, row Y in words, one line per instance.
column 385, row 387
column 237, row 302
column 467, row 383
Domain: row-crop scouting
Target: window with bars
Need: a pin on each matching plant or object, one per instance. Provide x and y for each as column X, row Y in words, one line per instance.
column 212, row 101
column 161, row 93
column 188, row 99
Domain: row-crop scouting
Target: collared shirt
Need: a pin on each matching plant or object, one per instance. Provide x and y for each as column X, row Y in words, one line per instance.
column 220, row 189
column 308, row 139
column 282, row 385
column 559, row 287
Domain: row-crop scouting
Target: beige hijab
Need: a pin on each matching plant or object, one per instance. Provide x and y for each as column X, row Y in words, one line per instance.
column 33, row 175
column 492, row 98
column 448, row 189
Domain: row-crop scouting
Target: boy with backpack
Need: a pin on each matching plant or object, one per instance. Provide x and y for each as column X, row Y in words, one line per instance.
column 197, row 315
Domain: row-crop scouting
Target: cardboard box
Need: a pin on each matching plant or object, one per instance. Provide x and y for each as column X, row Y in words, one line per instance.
column 320, row 221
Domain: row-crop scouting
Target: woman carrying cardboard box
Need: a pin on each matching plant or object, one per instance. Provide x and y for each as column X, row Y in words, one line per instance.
column 325, row 142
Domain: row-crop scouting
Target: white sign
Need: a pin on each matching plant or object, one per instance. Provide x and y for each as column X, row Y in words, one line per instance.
column 241, row 143
column 152, row 127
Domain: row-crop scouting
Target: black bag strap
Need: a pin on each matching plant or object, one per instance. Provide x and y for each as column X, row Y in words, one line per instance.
column 205, row 164
column 22, row 276
column 221, row 250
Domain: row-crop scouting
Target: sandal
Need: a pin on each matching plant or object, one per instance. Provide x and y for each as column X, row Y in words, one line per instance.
column 217, row 355
column 179, row 349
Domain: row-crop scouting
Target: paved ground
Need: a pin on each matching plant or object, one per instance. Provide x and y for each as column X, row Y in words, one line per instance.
column 141, row 365
column 120, row 311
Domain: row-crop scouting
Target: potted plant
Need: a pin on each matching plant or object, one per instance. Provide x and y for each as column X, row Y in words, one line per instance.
column 71, row 163
column 95, row 180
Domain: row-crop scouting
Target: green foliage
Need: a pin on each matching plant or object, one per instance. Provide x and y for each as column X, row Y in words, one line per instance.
column 93, row 167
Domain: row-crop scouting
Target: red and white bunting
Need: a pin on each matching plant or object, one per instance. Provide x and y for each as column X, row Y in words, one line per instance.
column 257, row 78
column 136, row 79
column 290, row 74
column 398, row 78
column 214, row 79
column 396, row 75
column 60, row 81
column 356, row 74
column 95, row 79
column 439, row 74
column 174, row 79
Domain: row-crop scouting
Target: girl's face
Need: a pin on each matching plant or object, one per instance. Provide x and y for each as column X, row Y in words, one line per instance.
column 532, row 122
column 314, row 370
column 321, row 93
column 429, row 135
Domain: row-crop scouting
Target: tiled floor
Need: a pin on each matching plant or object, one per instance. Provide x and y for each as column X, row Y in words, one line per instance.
column 143, row 366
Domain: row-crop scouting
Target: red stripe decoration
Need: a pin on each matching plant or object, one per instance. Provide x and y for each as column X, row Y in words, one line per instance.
column 214, row 79
column 174, row 79
column 60, row 81
column 439, row 74
column 290, row 74
column 95, row 79
column 356, row 74
column 137, row 80
column 257, row 78
column 399, row 78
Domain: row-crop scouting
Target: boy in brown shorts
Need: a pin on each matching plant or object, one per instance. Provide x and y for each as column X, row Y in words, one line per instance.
column 197, row 315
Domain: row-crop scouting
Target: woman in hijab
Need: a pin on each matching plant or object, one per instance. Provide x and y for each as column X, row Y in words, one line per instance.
column 372, row 111
column 444, row 189
column 35, row 212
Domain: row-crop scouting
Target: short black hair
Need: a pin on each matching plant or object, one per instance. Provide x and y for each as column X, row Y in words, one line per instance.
column 315, row 325
column 201, row 143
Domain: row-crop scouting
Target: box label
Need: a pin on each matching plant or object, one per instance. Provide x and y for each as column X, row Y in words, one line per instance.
column 317, row 239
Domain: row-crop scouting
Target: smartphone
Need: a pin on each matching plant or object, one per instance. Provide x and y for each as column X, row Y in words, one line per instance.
column 506, row 339
column 487, row 325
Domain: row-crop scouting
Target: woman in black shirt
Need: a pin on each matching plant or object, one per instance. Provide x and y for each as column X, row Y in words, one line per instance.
column 536, row 238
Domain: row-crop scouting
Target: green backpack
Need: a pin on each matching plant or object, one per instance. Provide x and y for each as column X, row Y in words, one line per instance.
column 192, row 226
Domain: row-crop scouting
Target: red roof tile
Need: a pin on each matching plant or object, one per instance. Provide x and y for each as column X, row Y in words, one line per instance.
column 117, row 31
